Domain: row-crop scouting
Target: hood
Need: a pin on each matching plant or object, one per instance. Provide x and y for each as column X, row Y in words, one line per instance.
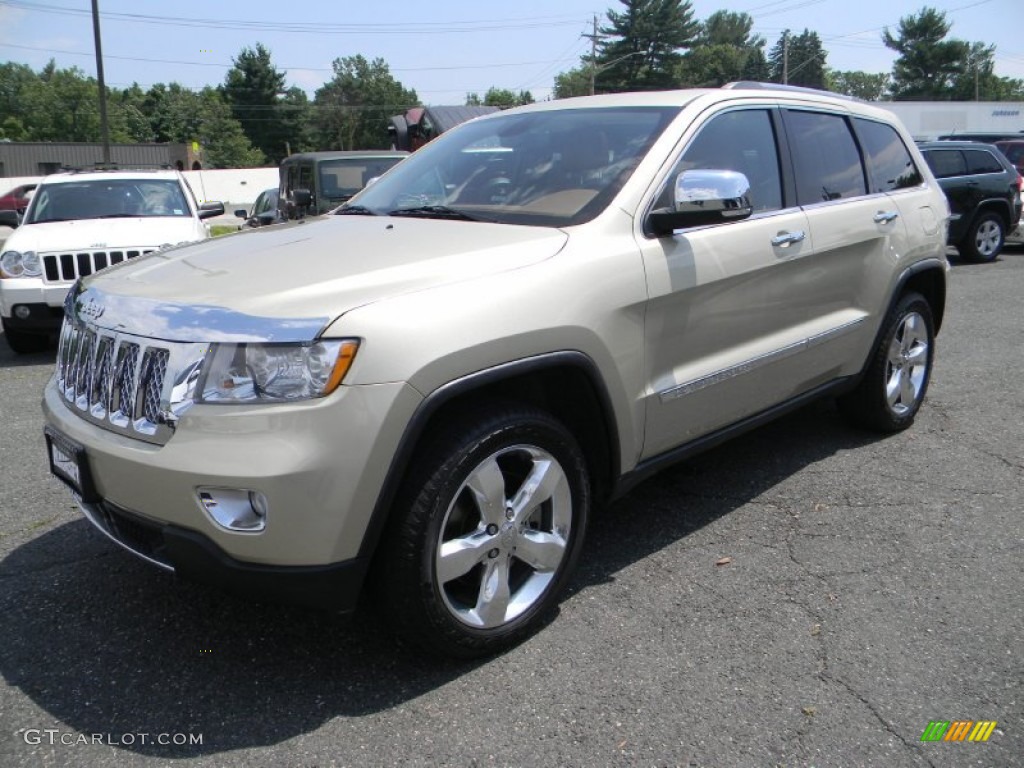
column 323, row 268
column 107, row 234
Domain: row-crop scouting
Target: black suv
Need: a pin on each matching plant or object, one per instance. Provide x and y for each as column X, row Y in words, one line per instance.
column 984, row 192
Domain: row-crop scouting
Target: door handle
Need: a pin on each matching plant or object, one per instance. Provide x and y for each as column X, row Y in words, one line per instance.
column 786, row 239
column 884, row 217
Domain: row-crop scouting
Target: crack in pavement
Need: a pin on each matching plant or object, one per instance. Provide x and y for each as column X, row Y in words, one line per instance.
column 912, row 746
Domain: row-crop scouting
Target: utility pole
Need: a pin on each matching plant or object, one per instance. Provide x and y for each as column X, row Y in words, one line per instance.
column 104, row 127
column 785, row 56
column 593, row 56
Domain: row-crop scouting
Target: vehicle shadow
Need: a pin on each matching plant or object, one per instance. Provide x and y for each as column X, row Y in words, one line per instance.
column 107, row 645
column 11, row 359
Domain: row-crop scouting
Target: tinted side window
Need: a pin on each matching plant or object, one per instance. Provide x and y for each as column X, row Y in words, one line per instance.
column 305, row 177
column 890, row 163
column 740, row 140
column 945, row 162
column 825, row 156
column 982, row 161
column 291, row 180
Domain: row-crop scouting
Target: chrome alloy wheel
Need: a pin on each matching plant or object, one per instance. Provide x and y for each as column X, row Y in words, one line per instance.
column 504, row 536
column 907, row 364
column 988, row 238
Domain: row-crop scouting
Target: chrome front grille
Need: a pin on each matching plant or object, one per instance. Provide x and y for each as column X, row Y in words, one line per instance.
column 65, row 267
column 122, row 382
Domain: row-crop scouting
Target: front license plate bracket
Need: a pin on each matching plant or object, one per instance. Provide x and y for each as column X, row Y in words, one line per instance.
column 70, row 464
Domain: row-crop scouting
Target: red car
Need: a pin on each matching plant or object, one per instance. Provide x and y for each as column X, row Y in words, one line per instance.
column 1014, row 151
column 17, row 199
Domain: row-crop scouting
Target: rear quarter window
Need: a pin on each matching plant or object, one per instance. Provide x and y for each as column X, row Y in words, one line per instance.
column 982, row 161
column 890, row 164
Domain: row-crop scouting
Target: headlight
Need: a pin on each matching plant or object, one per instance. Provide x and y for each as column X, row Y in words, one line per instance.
column 248, row 373
column 17, row 264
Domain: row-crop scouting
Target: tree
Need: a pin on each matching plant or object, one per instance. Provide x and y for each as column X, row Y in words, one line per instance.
column 127, row 115
column 183, row 116
column 66, row 105
column 723, row 51
column 862, row 85
column 644, row 45
column 255, row 91
column 354, row 106
column 927, row 66
column 798, row 60
column 978, row 81
column 224, row 143
column 297, row 115
column 575, row 82
column 16, row 81
column 499, row 97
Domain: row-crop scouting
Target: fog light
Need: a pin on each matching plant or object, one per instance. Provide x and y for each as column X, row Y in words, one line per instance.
column 22, row 312
column 235, row 509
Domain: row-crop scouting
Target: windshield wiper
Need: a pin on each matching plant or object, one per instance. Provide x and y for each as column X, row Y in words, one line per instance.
column 435, row 212
column 355, row 210
column 118, row 216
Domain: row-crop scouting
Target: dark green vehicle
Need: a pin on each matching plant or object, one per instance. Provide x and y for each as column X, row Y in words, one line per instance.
column 312, row 183
column 984, row 193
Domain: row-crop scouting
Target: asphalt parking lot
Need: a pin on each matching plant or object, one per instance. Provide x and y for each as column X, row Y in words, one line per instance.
column 807, row 595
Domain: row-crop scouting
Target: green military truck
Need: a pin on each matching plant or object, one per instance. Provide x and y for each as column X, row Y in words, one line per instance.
column 312, row 183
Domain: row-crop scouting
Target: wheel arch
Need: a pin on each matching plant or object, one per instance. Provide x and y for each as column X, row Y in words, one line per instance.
column 998, row 206
column 566, row 384
column 927, row 277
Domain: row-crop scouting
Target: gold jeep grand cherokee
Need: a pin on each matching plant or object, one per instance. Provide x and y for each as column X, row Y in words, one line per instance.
column 426, row 393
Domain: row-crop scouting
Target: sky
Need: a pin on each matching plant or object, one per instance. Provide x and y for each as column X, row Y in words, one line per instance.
column 442, row 50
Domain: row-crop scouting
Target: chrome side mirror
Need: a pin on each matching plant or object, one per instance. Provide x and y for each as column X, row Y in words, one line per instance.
column 701, row 197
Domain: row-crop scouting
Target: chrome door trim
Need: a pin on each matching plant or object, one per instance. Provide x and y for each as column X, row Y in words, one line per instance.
column 695, row 385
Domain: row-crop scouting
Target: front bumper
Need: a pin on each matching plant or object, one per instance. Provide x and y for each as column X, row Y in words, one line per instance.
column 33, row 292
column 41, row 318
column 193, row 556
column 320, row 465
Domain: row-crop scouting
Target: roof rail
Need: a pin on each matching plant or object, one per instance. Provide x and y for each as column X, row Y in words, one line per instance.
column 755, row 85
column 99, row 167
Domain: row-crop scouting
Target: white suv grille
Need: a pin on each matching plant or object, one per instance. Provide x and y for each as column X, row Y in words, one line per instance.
column 64, row 267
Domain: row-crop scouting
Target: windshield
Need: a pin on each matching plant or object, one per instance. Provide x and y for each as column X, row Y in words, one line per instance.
column 546, row 168
column 107, row 198
column 340, row 179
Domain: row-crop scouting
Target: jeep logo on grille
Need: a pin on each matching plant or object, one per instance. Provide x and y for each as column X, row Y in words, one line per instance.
column 90, row 310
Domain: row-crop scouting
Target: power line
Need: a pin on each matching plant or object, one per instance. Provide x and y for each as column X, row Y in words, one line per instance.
column 313, row 27
column 286, row 67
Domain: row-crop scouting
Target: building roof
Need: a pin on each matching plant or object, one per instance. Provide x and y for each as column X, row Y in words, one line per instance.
column 446, row 118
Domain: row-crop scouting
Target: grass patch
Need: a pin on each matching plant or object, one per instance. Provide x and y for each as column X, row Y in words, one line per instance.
column 216, row 230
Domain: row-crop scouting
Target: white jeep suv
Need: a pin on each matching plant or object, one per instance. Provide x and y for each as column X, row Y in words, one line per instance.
column 427, row 392
column 79, row 223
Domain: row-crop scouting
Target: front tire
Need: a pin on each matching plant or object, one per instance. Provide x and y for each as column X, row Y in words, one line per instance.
column 894, row 385
column 485, row 533
column 984, row 240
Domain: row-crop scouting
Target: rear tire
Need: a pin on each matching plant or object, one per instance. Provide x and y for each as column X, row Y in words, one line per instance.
column 894, row 385
column 984, row 240
column 25, row 343
column 486, row 532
